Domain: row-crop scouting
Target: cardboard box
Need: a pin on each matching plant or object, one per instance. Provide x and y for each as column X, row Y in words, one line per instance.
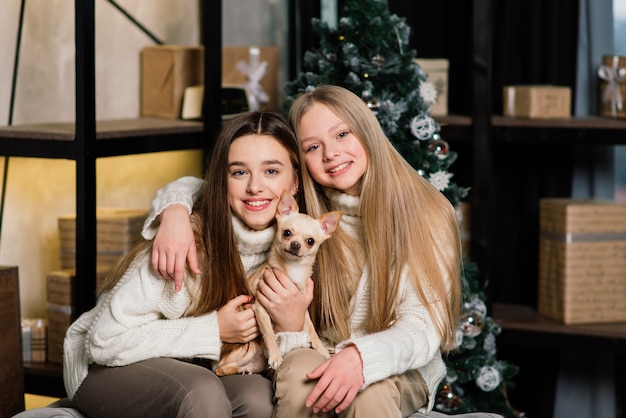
column 117, row 229
column 582, row 260
column 537, row 102
column 60, row 284
column 437, row 70
column 60, row 307
column 59, row 320
column 236, row 64
column 166, row 70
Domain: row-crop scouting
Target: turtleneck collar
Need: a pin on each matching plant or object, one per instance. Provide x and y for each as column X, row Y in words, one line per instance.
column 251, row 242
column 348, row 204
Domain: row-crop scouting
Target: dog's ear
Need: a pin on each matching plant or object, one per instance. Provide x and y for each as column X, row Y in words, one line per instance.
column 330, row 220
column 287, row 204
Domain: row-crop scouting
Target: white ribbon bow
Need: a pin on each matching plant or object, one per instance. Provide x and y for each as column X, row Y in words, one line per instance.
column 613, row 75
column 254, row 73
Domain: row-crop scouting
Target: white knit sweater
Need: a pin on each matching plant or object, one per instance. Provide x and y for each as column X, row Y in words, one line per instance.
column 412, row 342
column 143, row 317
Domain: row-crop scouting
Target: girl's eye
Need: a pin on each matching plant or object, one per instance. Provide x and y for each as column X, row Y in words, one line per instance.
column 343, row 134
column 312, row 148
column 238, row 173
column 272, row 171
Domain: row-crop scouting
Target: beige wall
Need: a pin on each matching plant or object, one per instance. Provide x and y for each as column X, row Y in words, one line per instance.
column 41, row 190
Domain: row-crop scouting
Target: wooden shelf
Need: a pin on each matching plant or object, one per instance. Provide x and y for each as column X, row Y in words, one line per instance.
column 523, row 325
column 572, row 131
column 113, row 137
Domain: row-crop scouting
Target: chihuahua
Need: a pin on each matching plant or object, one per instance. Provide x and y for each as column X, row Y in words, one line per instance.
column 298, row 238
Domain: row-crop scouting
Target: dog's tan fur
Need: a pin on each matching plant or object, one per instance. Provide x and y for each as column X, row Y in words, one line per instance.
column 293, row 252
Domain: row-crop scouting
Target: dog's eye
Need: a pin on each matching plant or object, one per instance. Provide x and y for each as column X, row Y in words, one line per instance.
column 310, row 241
column 286, row 233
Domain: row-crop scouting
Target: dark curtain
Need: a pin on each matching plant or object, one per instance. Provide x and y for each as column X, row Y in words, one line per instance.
column 535, row 42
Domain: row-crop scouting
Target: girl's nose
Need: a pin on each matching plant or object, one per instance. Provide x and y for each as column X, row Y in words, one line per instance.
column 330, row 153
column 254, row 185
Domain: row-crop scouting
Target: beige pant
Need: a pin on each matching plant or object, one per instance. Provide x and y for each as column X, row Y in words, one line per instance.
column 395, row 397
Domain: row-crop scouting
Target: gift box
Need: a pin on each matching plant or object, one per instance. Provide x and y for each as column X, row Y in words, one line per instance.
column 582, row 260
column 61, row 308
column 117, row 231
column 437, row 70
column 256, row 69
column 59, row 320
column 612, row 74
column 166, row 71
column 537, row 101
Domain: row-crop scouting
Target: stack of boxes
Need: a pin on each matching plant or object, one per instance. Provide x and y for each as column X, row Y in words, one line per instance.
column 118, row 230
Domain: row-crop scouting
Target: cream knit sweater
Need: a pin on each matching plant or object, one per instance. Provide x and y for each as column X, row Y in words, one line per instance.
column 143, row 317
column 411, row 342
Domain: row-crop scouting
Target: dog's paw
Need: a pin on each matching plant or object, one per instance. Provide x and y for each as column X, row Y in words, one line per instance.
column 274, row 362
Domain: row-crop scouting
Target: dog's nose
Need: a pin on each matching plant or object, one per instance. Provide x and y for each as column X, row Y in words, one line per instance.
column 295, row 245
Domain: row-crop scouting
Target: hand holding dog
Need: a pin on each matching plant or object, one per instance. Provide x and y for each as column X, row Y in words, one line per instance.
column 283, row 300
column 340, row 378
column 237, row 321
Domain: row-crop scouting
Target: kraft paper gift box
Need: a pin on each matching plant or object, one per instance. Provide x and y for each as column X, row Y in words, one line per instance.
column 582, row 260
column 117, row 229
column 59, row 320
column 239, row 62
column 166, row 71
column 437, row 70
column 60, row 308
column 537, row 101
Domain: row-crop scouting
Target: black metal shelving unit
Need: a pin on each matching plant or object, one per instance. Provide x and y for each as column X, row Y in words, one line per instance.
column 87, row 139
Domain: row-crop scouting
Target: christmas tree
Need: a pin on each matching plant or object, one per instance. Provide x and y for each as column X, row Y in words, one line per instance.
column 368, row 54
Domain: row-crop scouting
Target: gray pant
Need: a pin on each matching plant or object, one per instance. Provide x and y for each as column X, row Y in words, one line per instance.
column 165, row 387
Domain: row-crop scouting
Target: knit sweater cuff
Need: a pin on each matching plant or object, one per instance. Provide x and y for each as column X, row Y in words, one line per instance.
column 184, row 191
column 288, row 341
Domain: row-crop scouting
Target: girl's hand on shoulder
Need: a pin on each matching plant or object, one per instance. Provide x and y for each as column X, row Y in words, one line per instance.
column 174, row 245
column 340, row 379
column 236, row 321
column 282, row 299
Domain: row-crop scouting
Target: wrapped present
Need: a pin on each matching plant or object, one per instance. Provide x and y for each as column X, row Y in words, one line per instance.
column 582, row 260
column 437, row 70
column 612, row 75
column 61, row 308
column 166, row 71
column 537, row 101
column 117, row 229
column 256, row 69
column 59, row 320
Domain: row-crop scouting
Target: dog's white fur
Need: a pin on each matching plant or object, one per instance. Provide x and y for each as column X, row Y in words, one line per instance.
column 298, row 238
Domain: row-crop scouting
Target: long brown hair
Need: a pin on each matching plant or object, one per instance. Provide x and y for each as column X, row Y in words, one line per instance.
column 407, row 225
column 223, row 276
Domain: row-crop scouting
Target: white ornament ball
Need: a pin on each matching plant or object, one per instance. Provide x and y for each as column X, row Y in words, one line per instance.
column 488, row 378
column 423, row 127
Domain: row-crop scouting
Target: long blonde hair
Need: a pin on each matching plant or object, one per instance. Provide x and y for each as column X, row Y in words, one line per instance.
column 408, row 225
